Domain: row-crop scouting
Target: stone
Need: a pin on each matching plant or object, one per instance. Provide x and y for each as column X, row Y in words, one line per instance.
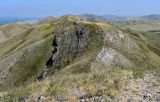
column 39, row 98
column 149, row 95
column 59, row 99
column 145, row 90
column 1, row 99
column 158, row 98
column 80, row 95
column 22, row 99
column 149, row 78
column 82, row 100
column 98, row 99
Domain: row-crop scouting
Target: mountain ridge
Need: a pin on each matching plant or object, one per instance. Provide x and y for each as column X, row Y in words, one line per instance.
column 71, row 55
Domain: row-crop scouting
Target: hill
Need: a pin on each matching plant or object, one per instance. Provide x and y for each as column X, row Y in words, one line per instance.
column 103, row 18
column 48, row 19
column 73, row 59
column 151, row 17
column 6, row 20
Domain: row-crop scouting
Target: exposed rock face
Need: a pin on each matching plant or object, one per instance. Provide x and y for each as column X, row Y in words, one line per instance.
column 109, row 57
column 72, row 39
column 121, row 41
column 69, row 42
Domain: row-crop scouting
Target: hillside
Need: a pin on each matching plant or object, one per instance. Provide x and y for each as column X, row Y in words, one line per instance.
column 151, row 17
column 105, row 18
column 73, row 59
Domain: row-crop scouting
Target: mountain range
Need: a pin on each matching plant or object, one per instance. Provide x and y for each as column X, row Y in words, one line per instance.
column 5, row 20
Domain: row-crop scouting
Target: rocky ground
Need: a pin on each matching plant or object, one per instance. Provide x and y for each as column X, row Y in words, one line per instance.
column 136, row 90
column 142, row 90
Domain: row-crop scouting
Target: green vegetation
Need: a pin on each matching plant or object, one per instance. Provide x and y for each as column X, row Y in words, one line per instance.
column 82, row 72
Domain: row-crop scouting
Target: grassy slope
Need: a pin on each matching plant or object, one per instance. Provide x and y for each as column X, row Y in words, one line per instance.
column 138, row 25
column 35, row 43
column 145, row 33
column 78, row 75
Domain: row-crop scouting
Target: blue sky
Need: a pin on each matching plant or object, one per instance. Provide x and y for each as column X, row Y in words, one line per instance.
column 42, row 8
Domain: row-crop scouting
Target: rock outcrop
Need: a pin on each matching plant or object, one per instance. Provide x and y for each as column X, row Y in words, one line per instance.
column 69, row 42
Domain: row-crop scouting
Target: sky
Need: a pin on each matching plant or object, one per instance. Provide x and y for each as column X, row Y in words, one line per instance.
column 43, row 8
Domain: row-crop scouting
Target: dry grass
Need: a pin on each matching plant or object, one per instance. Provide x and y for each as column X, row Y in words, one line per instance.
column 107, row 83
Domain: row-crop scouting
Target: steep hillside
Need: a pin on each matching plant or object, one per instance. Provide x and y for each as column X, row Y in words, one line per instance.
column 23, row 54
column 73, row 60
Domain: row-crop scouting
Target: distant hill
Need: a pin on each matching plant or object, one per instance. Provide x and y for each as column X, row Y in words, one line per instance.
column 47, row 19
column 92, row 17
column 151, row 17
column 5, row 20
